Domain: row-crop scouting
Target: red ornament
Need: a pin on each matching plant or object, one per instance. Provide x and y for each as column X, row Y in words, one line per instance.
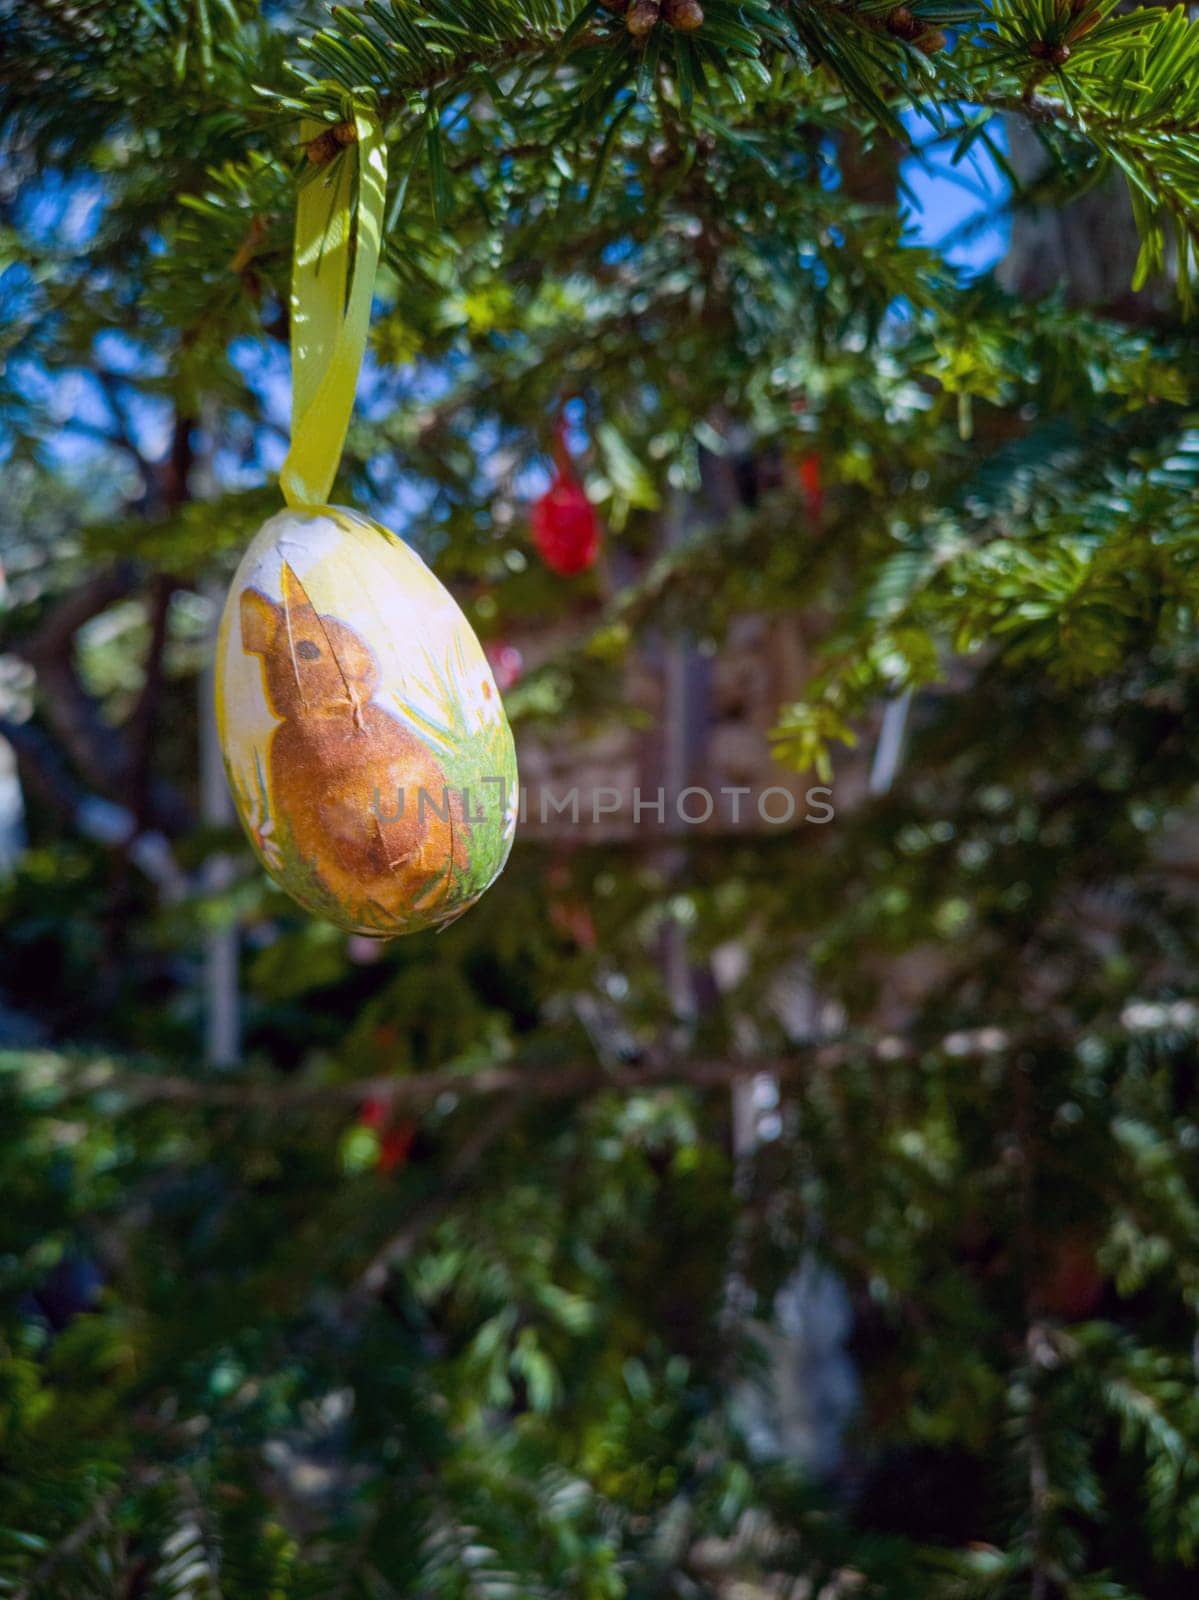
column 395, row 1146
column 809, row 470
column 1070, row 1284
column 569, row 913
column 811, row 483
column 566, row 529
column 395, row 1139
column 375, row 1112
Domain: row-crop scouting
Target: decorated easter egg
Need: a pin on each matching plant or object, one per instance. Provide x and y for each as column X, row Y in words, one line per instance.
column 364, row 738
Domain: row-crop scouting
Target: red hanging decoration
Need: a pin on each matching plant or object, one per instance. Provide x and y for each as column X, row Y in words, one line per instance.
column 811, row 484
column 809, row 470
column 566, row 529
column 375, row 1112
column 395, row 1139
column 395, row 1146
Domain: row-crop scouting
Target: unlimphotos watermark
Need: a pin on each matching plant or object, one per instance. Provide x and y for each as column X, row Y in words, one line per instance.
column 693, row 807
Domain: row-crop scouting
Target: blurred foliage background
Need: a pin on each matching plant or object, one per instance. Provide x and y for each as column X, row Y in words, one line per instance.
column 742, row 1212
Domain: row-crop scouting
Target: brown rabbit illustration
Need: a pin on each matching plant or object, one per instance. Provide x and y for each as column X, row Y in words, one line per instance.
column 338, row 764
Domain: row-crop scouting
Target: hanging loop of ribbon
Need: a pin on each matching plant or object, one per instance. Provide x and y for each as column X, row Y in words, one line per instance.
column 331, row 305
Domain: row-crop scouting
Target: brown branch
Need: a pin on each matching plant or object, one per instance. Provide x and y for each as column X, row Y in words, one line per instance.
column 527, row 1080
column 96, row 749
column 176, row 491
column 176, row 471
column 104, row 755
column 1045, row 111
column 43, row 770
column 81, row 605
column 142, row 721
column 123, row 439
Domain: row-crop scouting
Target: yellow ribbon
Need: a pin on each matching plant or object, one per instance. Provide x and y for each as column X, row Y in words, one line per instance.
column 329, row 325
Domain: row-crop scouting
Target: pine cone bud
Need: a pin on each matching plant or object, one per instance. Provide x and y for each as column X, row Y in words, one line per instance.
column 683, row 15
column 931, row 41
column 346, row 133
column 902, row 23
column 643, row 17
column 1060, row 54
column 323, row 148
column 618, row 6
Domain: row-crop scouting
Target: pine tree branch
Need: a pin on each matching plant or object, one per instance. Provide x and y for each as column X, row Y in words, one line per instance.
column 1038, row 1351
column 375, row 1277
column 72, row 1545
